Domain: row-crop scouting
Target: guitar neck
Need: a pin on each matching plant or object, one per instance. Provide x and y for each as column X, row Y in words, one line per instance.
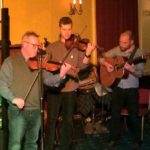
column 131, row 61
column 136, row 60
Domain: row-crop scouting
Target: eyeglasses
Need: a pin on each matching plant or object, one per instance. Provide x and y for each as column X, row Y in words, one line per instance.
column 31, row 43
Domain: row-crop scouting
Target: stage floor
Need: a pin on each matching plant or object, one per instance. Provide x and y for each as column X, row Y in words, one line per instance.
column 98, row 141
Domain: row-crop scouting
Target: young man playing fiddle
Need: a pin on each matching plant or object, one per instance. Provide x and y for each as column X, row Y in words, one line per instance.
column 64, row 98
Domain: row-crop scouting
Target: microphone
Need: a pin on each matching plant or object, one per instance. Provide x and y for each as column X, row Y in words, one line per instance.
column 41, row 51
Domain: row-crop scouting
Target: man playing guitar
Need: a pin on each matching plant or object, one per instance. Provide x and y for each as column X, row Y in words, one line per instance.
column 126, row 90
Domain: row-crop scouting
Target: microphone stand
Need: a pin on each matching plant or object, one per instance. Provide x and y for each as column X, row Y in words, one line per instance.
column 40, row 54
column 39, row 74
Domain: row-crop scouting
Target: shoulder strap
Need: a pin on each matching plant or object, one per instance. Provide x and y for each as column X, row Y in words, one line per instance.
column 133, row 53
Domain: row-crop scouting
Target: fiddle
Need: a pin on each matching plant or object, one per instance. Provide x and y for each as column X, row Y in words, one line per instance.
column 34, row 64
column 52, row 66
column 75, row 41
column 41, row 62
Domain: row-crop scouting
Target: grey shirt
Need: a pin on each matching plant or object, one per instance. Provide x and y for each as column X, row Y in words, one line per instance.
column 6, row 80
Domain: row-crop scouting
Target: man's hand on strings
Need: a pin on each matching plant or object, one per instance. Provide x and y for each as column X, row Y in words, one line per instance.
column 90, row 48
column 130, row 68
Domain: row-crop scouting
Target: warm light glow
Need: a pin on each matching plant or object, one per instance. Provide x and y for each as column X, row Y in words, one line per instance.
column 75, row 7
column 1, row 4
column 80, row 1
column 74, row 1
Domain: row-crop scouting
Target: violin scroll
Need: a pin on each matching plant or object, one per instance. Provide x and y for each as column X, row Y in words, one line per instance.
column 75, row 41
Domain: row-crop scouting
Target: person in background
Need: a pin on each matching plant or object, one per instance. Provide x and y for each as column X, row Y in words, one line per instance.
column 90, row 95
column 65, row 96
column 126, row 91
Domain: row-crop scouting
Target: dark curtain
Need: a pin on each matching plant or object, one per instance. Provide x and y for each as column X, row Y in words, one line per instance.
column 112, row 18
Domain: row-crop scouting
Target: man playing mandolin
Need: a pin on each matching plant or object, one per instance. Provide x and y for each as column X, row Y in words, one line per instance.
column 126, row 90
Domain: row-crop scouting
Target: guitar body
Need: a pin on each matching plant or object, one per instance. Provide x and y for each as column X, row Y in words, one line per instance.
column 109, row 79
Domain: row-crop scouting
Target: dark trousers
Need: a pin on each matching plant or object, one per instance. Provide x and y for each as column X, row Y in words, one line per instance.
column 129, row 97
column 65, row 101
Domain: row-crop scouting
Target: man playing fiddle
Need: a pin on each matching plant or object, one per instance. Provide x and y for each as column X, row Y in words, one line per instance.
column 64, row 98
column 24, row 112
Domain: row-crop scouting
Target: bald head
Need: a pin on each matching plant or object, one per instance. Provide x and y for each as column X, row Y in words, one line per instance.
column 126, row 40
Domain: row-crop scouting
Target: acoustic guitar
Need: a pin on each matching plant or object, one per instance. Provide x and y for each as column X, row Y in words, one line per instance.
column 110, row 79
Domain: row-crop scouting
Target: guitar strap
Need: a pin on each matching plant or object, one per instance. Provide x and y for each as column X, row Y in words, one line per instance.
column 132, row 54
